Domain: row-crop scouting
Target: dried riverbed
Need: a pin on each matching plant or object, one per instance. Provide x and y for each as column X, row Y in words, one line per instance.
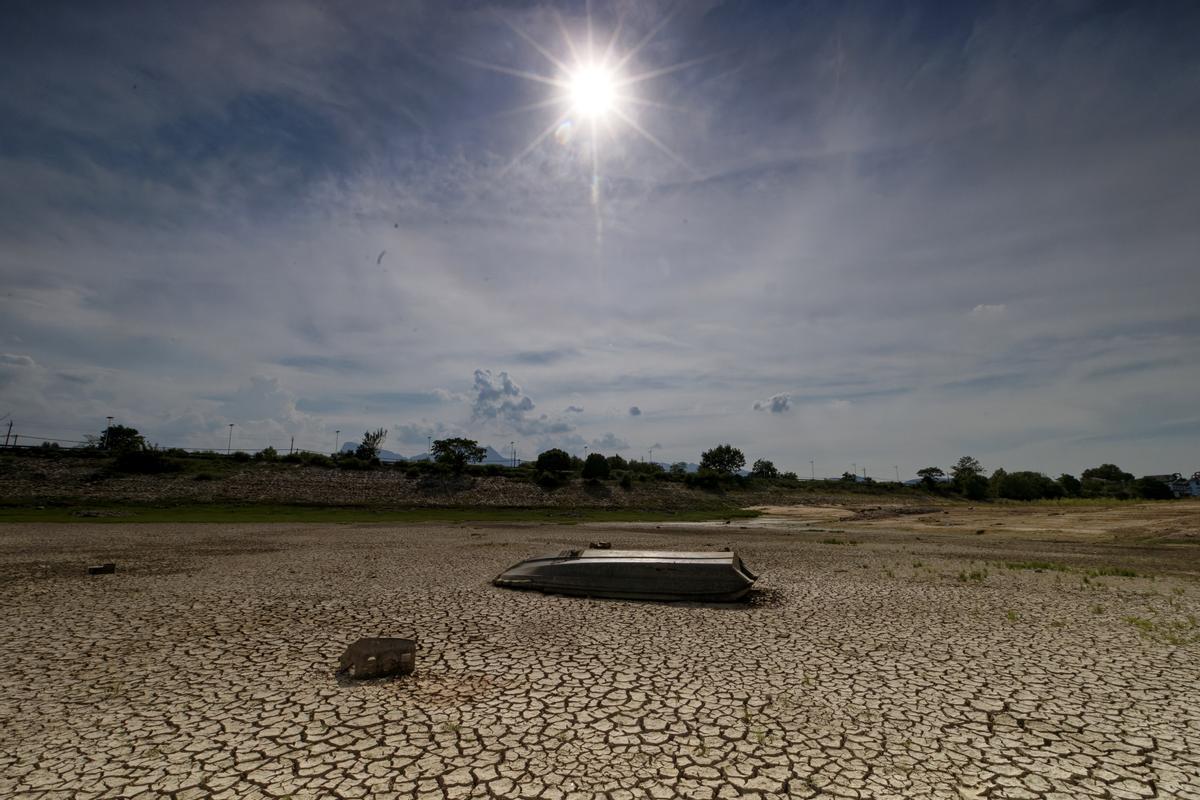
column 875, row 663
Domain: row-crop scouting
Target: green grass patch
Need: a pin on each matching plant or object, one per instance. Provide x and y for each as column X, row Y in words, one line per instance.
column 1117, row 572
column 1167, row 631
column 259, row 513
column 1038, row 566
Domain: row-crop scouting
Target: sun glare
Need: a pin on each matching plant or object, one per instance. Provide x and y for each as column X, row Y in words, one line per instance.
column 592, row 91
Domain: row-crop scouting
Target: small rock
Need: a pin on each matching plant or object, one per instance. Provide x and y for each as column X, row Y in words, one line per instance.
column 102, row 569
column 601, row 545
column 378, row 657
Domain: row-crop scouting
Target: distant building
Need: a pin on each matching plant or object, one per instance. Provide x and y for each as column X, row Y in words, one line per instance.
column 1179, row 485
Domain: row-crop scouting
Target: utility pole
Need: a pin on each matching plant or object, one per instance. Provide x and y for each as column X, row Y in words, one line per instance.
column 229, row 445
column 337, row 437
column 429, row 446
column 854, row 468
column 107, row 434
column 651, row 455
column 897, row 468
column 812, row 463
column 292, row 446
column 7, row 432
column 513, row 445
column 864, row 472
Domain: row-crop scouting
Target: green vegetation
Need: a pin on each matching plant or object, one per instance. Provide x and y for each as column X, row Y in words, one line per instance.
column 1177, row 632
column 1038, row 566
column 724, row 459
column 974, row 576
column 456, row 453
column 1051, row 566
column 229, row 513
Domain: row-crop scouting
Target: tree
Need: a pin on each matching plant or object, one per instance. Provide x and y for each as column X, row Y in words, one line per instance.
column 930, row 476
column 974, row 487
column 724, row 459
column 596, row 467
column 119, row 439
column 371, row 444
column 679, row 469
column 554, row 460
column 994, row 482
column 615, row 462
column 1152, row 489
column 458, row 452
column 1025, row 485
column 1108, row 472
column 764, row 469
column 1070, row 484
column 965, row 471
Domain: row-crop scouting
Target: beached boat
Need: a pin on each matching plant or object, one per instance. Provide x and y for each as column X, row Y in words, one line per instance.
column 634, row 575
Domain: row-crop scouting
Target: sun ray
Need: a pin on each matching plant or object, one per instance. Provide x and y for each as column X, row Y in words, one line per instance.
column 530, row 147
column 519, row 73
column 642, row 42
column 641, row 101
column 553, row 59
column 612, row 40
column 657, row 73
column 562, row 28
column 653, row 140
column 549, row 102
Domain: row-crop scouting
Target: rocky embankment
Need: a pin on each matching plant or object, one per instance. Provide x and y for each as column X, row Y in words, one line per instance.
column 284, row 483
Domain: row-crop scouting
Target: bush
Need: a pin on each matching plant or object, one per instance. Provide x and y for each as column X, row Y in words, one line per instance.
column 144, row 462
column 764, row 469
column 974, row 487
column 549, row 480
column 357, row 463
column 1028, row 486
column 267, row 454
column 626, row 481
column 1151, row 489
column 596, row 467
column 704, row 479
column 554, row 460
column 241, row 456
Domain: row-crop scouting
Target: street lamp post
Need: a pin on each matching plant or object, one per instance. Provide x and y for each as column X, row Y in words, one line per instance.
column 229, row 444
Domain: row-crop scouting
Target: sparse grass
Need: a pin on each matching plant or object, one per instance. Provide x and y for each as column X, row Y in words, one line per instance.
column 918, row 564
column 975, row 576
column 1097, row 608
column 1038, row 566
column 1119, row 572
column 1011, row 615
column 127, row 513
column 831, row 540
column 1177, row 632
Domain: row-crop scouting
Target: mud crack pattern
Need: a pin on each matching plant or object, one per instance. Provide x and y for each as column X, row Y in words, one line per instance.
column 204, row 668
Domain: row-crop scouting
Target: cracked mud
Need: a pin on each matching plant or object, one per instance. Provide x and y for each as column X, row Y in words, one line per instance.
column 887, row 667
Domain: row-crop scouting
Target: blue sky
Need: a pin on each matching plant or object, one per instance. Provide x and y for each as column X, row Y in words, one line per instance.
column 887, row 234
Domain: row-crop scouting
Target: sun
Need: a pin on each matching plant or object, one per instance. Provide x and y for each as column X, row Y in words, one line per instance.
column 592, row 90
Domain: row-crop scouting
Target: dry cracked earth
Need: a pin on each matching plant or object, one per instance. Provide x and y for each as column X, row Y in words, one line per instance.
column 894, row 666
